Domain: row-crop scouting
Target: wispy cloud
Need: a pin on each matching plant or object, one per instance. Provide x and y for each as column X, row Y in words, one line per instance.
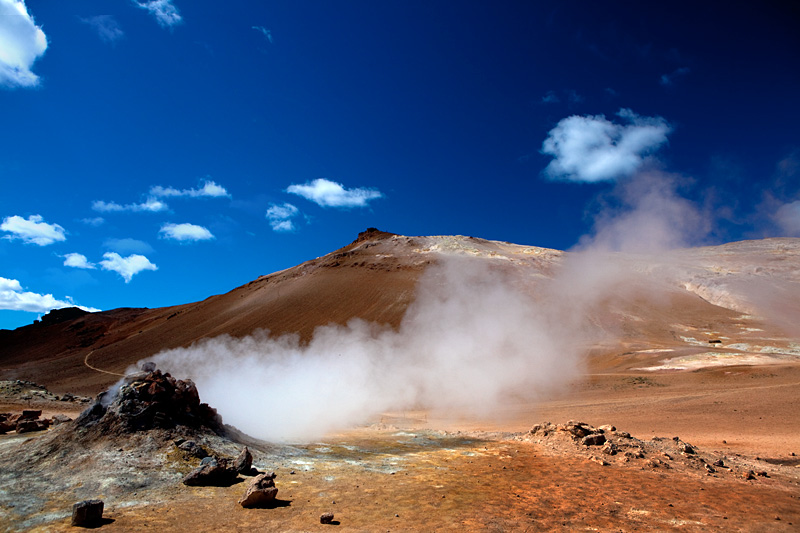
column 264, row 31
column 21, row 43
column 669, row 79
column 185, row 232
column 164, row 11
column 33, row 230
column 106, row 27
column 14, row 298
column 127, row 267
column 592, row 148
column 128, row 246
column 280, row 217
column 328, row 193
column 151, row 205
column 550, row 98
column 209, row 189
column 94, row 221
column 76, row 260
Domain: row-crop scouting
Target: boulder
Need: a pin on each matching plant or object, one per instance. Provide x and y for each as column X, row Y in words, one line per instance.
column 26, row 426
column 212, row 474
column 326, row 518
column 88, row 513
column 61, row 419
column 261, row 491
column 244, row 462
column 30, row 414
column 193, row 449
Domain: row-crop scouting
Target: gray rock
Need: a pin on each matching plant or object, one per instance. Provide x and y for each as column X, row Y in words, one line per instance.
column 261, row 491
column 61, row 419
column 88, row 513
column 193, row 449
column 244, row 462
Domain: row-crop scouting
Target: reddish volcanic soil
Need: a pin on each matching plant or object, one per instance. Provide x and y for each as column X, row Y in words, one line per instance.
column 698, row 362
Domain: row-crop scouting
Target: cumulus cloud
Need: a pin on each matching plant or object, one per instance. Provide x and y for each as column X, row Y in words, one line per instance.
column 128, row 246
column 127, row 267
column 185, row 232
column 21, row 43
column 209, row 189
column 106, row 27
column 76, row 260
column 669, row 79
column 265, row 32
column 164, row 11
column 32, row 230
column 593, row 149
column 280, row 217
column 328, row 193
column 14, row 298
column 151, row 205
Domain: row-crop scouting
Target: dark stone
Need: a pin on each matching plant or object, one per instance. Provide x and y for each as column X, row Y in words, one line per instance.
column 193, row 449
column 30, row 414
column 215, row 474
column 326, row 518
column 88, row 513
column 244, row 462
column 26, row 426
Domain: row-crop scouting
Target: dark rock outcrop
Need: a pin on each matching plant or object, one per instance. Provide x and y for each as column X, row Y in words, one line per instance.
column 214, row 473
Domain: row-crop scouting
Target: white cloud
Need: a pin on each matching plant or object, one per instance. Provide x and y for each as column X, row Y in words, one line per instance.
column 106, row 26
column 151, row 205
column 95, row 221
column 209, row 189
column 165, row 12
column 265, row 32
column 669, row 79
column 185, row 232
column 78, row 261
column 592, row 148
column 280, row 217
column 128, row 246
column 126, row 267
column 21, row 42
column 328, row 193
column 33, row 230
column 787, row 217
column 14, row 298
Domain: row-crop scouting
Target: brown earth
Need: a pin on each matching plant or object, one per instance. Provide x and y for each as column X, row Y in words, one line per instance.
column 700, row 357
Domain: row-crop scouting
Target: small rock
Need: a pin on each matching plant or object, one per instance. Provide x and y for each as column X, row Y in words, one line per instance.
column 608, row 428
column 718, row 463
column 686, row 448
column 88, row 513
column 261, row 491
column 762, row 473
column 709, row 468
column 326, row 518
column 749, row 475
column 244, row 462
column 595, row 439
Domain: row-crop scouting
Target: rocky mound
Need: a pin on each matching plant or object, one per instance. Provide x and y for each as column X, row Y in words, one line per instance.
column 606, row 445
column 149, row 400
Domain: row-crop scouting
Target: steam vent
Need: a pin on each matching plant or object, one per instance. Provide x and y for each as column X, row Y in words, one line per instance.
column 150, row 400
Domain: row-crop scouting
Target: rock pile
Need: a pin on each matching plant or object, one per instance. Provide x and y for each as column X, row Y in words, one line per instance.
column 150, row 400
column 25, row 422
column 604, row 445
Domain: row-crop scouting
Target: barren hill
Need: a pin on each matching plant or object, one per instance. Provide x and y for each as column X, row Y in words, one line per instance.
column 669, row 311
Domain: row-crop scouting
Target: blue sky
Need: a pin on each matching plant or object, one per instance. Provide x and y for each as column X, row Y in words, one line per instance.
column 157, row 152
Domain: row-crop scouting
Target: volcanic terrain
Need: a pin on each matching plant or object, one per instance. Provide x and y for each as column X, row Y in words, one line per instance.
column 682, row 413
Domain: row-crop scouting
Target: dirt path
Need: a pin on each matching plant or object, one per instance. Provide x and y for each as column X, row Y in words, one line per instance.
column 86, row 362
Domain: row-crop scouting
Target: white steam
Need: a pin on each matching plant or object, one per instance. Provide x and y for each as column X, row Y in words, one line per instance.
column 470, row 340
